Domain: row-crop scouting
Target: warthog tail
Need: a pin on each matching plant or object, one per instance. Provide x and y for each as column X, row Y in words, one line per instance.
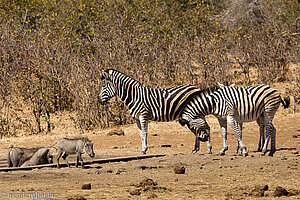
column 52, row 146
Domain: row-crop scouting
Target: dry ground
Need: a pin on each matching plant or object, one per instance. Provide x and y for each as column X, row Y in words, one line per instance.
column 206, row 177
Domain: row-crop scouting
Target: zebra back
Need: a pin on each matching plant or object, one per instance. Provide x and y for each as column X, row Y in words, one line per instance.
column 156, row 104
column 247, row 103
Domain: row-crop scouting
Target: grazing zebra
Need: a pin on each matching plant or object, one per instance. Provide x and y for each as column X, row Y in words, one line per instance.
column 235, row 105
column 146, row 103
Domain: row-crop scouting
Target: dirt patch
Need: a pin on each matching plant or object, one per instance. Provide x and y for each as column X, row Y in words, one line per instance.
column 207, row 176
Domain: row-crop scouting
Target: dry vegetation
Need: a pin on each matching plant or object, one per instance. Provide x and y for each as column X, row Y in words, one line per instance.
column 52, row 52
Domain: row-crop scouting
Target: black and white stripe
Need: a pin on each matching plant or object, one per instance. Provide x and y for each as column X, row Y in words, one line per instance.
column 146, row 103
column 235, row 105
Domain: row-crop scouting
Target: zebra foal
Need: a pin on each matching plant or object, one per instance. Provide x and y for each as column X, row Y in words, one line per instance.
column 235, row 105
column 147, row 103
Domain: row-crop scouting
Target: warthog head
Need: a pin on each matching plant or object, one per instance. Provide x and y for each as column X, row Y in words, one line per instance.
column 88, row 148
column 108, row 90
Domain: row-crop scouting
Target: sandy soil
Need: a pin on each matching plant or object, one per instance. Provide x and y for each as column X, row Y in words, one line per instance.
column 206, row 176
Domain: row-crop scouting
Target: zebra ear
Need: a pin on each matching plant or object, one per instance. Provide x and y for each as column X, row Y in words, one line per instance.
column 104, row 74
column 220, row 85
column 232, row 85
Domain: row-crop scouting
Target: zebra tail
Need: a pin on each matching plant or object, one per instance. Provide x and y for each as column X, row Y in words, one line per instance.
column 286, row 102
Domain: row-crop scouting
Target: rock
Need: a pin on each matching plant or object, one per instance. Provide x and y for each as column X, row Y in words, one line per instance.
column 179, row 169
column 152, row 196
column 166, row 145
column 265, row 188
column 86, row 186
column 280, row 191
column 259, row 191
column 147, row 182
column 118, row 132
column 135, row 192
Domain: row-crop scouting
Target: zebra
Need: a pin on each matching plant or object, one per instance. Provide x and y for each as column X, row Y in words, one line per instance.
column 235, row 105
column 145, row 103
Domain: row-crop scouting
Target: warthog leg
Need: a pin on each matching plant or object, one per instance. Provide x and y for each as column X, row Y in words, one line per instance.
column 65, row 159
column 79, row 158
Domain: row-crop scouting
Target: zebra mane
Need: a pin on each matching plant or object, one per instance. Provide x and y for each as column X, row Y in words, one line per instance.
column 117, row 73
column 208, row 90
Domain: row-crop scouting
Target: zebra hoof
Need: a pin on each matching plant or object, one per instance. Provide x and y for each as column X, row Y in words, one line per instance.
column 143, row 153
column 193, row 152
column 270, row 154
column 221, row 154
column 245, row 154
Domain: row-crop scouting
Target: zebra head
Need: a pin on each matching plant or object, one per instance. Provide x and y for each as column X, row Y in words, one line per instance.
column 108, row 90
column 198, row 126
column 201, row 129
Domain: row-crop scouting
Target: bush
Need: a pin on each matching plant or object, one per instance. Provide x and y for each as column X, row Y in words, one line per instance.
column 52, row 52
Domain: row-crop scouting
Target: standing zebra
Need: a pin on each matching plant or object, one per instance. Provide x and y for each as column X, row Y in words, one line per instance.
column 235, row 105
column 147, row 103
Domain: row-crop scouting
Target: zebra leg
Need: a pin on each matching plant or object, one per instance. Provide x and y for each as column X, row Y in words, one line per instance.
column 142, row 124
column 273, row 141
column 270, row 133
column 261, row 125
column 223, row 124
column 209, row 146
column 240, row 125
column 237, row 130
column 197, row 144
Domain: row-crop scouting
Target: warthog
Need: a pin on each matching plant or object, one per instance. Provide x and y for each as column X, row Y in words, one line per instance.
column 42, row 156
column 77, row 146
column 17, row 156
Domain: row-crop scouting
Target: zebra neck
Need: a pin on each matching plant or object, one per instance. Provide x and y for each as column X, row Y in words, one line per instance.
column 128, row 92
column 211, row 105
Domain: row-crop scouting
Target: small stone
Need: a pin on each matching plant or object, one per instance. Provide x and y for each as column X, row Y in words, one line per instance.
column 143, row 167
column 295, row 152
column 135, row 192
column 117, row 132
column 166, row 145
column 265, row 188
column 179, row 169
column 86, row 186
column 280, row 191
column 152, row 196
